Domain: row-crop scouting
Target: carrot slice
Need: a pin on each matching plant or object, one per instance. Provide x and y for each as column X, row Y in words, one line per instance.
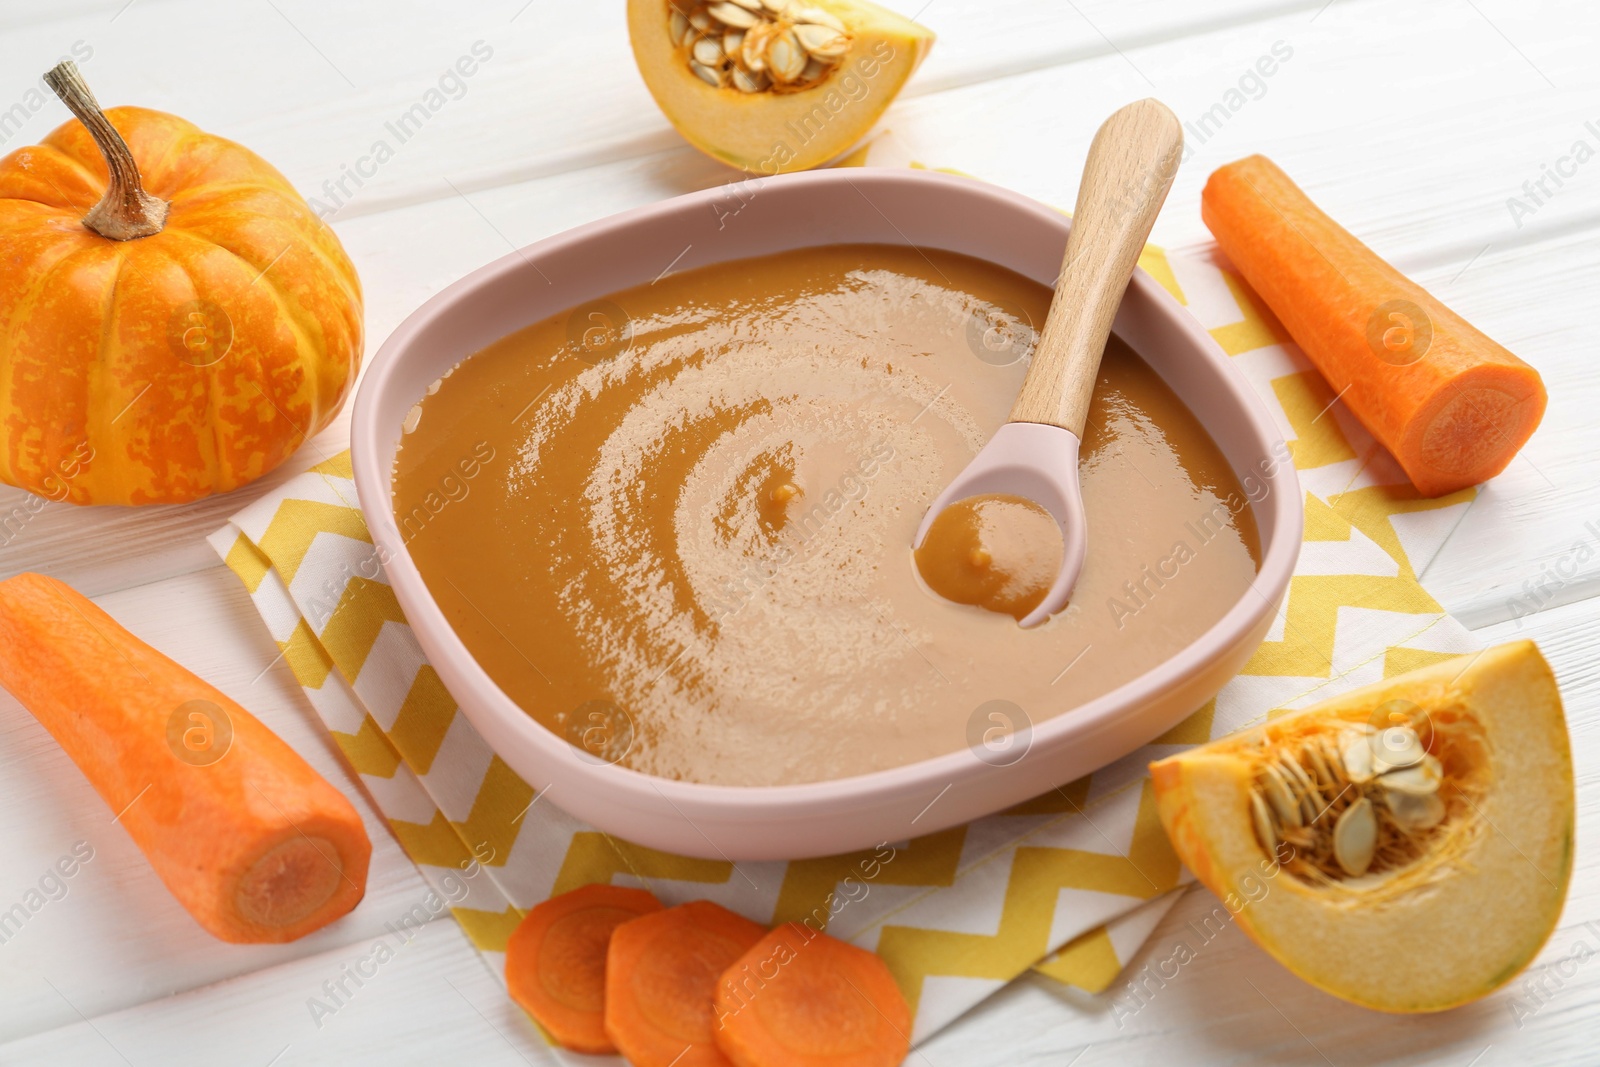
column 1451, row 405
column 800, row 998
column 661, row 977
column 556, row 960
column 245, row 834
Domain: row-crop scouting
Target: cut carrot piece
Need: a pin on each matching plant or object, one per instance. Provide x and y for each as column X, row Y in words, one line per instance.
column 800, row 998
column 556, row 961
column 1452, row 406
column 245, row 834
column 661, row 981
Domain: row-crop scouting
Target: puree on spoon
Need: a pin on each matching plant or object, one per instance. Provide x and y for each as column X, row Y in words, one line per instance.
column 674, row 525
column 997, row 551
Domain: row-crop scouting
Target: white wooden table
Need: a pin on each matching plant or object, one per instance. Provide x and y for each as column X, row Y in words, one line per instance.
column 1411, row 122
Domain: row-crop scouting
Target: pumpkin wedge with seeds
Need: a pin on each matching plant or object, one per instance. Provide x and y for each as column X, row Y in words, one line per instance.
column 1420, row 830
column 771, row 86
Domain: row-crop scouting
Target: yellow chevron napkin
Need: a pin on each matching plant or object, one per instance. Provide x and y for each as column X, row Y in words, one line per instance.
column 1073, row 881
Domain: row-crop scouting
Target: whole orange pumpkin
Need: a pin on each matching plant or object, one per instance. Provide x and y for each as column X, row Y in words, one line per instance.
column 174, row 319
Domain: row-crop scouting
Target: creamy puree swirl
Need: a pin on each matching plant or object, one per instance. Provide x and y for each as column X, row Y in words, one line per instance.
column 674, row 526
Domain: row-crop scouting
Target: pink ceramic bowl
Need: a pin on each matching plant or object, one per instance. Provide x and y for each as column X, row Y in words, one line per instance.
column 769, row 215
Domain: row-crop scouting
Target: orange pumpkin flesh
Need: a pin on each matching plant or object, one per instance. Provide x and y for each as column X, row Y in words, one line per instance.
column 1485, row 893
column 165, row 367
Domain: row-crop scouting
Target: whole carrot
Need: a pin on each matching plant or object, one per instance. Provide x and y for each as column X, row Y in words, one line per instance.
column 1452, row 406
column 254, row 843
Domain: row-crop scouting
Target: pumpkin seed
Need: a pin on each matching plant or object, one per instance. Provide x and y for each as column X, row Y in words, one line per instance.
column 753, row 52
column 707, row 52
column 822, row 42
column 1415, row 813
column 760, row 44
column 1320, row 766
column 1355, row 753
column 1297, row 772
column 1280, row 796
column 1355, row 838
column 707, row 74
column 1264, row 825
column 1393, row 785
column 748, row 83
column 1396, row 746
column 731, row 14
column 1420, row 779
column 817, row 17
column 1304, row 789
column 786, row 60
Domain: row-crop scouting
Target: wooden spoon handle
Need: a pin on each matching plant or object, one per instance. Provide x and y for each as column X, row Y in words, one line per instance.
column 1130, row 167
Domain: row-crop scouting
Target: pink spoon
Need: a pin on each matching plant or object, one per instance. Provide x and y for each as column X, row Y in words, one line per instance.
column 1130, row 167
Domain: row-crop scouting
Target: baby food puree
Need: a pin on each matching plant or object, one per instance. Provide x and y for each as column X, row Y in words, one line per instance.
column 675, row 525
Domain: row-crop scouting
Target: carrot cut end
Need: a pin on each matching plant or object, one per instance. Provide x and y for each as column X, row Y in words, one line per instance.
column 556, row 961
column 661, row 979
column 290, row 882
column 1472, row 432
column 800, row 998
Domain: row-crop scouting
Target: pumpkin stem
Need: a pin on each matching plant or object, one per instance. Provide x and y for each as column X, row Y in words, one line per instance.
column 126, row 211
